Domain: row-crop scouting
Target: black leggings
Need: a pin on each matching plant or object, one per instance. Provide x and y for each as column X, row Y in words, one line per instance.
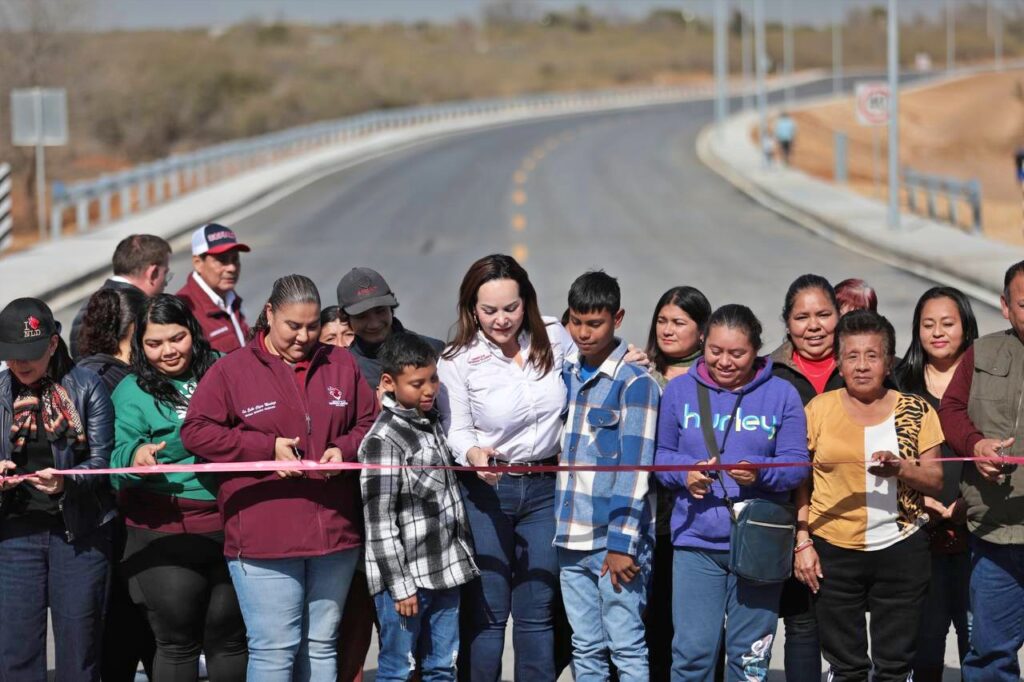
column 182, row 582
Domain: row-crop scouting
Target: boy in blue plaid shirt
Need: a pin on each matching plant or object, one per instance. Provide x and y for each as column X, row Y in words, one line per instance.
column 604, row 532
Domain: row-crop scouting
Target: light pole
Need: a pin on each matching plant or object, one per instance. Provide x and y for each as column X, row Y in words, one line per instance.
column 721, row 61
column 894, row 115
column 745, row 53
column 950, row 37
column 787, row 50
column 837, row 47
column 759, row 65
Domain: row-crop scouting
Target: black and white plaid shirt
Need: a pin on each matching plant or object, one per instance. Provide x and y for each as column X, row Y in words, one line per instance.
column 417, row 533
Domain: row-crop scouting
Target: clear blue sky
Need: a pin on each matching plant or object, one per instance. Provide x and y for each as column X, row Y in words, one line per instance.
column 130, row 14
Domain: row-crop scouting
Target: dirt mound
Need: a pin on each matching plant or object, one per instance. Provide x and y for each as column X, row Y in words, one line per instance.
column 967, row 128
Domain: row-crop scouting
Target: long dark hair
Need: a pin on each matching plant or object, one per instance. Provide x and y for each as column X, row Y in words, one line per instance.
column 286, row 290
column 910, row 371
column 60, row 362
column 488, row 269
column 109, row 316
column 168, row 309
column 692, row 302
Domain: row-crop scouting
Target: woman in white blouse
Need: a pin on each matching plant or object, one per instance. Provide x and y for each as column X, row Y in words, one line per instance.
column 503, row 402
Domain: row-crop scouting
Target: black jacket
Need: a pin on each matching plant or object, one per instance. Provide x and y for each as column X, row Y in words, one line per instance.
column 107, row 367
column 366, row 355
column 76, row 324
column 87, row 502
column 784, row 368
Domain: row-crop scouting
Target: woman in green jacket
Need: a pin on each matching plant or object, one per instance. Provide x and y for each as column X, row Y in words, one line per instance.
column 174, row 556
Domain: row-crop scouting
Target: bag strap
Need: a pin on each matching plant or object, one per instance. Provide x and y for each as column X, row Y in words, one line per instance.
column 708, row 429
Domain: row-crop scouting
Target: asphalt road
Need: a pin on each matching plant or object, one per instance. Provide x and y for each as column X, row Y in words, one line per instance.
column 623, row 192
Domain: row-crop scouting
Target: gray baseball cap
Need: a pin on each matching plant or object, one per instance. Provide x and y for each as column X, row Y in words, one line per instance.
column 362, row 289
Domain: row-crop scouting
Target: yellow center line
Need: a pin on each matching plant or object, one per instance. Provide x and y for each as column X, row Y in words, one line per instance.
column 519, row 197
column 518, row 222
column 520, row 177
column 520, row 253
column 529, row 164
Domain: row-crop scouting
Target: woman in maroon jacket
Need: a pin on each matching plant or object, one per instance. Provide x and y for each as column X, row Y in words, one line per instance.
column 292, row 540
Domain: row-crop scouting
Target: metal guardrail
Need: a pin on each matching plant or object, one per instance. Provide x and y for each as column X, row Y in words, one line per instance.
column 138, row 188
column 952, row 190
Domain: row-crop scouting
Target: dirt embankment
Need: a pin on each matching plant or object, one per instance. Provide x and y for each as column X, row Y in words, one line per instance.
column 967, row 128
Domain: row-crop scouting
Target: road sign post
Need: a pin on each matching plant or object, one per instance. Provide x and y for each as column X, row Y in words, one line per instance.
column 894, row 114
column 39, row 118
column 871, row 102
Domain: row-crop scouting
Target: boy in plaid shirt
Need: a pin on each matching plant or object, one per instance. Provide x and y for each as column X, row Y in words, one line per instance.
column 604, row 532
column 418, row 544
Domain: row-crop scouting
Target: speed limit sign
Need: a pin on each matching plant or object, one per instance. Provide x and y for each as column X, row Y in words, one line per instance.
column 872, row 104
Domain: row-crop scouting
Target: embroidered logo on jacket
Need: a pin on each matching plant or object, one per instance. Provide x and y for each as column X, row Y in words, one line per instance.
column 337, row 397
column 479, row 359
column 258, row 408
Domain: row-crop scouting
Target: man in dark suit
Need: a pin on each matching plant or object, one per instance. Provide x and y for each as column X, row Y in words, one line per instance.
column 141, row 261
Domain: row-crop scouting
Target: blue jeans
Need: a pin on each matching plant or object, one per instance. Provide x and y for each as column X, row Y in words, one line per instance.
column 997, row 605
column 605, row 621
column 40, row 569
column 704, row 592
column 947, row 602
column 292, row 609
column 513, row 526
column 430, row 637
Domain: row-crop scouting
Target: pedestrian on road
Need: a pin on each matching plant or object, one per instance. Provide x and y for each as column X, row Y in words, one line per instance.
column 335, row 329
column 860, row 548
column 292, row 540
column 605, row 532
column 174, row 559
column 944, row 328
column 366, row 298
column 502, row 404
column 106, row 347
column 105, row 334
column 674, row 342
column 983, row 416
column 739, row 388
column 141, row 261
column 856, row 294
column 806, row 359
column 419, row 550
column 209, row 291
column 55, row 543
column 785, row 133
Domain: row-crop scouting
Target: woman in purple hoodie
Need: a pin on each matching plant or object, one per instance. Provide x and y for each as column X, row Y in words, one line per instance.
column 756, row 418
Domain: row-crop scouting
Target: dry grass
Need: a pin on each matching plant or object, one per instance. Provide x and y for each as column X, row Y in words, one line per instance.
column 135, row 96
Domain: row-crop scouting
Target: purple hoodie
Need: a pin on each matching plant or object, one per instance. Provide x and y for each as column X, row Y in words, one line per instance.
column 770, row 426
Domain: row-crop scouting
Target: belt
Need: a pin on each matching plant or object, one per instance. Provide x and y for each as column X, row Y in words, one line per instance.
column 550, row 461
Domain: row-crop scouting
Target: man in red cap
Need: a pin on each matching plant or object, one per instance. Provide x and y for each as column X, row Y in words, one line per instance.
column 210, row 290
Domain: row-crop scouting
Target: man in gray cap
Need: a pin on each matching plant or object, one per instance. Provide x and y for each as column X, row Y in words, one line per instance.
column 370, row 305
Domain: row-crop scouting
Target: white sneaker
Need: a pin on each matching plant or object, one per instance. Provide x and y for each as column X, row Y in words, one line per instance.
column 203, row 674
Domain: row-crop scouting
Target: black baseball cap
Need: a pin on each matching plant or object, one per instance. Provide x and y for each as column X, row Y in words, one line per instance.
column 26, row 327
column 362, row 289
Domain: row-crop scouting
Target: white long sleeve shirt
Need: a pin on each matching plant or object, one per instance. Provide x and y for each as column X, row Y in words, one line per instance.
column 489, row 401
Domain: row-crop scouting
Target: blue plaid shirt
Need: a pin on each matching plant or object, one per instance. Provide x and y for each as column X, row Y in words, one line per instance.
column 612, row 419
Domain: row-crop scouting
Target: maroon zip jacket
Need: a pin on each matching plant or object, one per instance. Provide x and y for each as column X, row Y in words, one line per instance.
column 215, row 323
column 247, row 400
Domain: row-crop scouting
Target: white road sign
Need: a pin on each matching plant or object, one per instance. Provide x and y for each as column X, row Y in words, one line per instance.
column 39, row 116
column 872, row 104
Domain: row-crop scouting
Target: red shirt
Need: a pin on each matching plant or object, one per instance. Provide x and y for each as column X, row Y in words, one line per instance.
column 817, row 372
